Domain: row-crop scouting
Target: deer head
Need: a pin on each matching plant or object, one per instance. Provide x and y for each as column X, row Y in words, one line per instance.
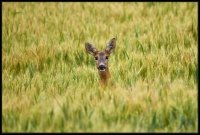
column 101, row 58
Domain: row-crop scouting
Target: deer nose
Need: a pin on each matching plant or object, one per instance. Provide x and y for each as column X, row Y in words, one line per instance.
column 102, row 67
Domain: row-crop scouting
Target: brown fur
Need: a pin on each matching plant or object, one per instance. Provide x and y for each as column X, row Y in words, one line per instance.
column 104, row 77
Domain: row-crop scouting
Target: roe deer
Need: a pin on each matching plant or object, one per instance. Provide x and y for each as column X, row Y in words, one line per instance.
column 101, row 58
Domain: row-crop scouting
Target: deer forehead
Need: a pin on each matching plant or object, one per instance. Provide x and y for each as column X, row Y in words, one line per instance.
column 101, row 54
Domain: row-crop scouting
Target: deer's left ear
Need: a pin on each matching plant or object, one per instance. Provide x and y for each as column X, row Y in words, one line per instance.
column 111, row 46
column 90, row 48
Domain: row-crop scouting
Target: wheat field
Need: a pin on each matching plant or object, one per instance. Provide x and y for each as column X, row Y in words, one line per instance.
column 50, row 83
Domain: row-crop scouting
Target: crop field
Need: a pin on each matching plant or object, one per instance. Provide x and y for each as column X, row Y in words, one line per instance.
column 51, row 84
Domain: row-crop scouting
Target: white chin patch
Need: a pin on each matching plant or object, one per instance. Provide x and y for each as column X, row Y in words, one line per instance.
column 102, row 70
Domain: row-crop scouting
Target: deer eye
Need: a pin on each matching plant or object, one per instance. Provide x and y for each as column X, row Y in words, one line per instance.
column 96, row 58
column 106, row 57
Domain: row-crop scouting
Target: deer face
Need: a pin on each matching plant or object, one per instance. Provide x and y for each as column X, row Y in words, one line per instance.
column 101, row 57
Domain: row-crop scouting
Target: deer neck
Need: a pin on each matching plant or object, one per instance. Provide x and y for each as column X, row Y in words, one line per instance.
column 104, row 76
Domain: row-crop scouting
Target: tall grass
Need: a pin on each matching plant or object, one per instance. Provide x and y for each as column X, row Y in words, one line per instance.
column 50, row 83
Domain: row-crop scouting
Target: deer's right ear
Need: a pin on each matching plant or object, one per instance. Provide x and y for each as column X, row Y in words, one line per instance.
column 90, row 48
column 111, row 45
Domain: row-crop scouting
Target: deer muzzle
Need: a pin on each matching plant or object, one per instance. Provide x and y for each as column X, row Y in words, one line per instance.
column 102, row 67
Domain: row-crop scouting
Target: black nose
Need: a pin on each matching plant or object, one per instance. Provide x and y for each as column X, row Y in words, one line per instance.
column 102, row 67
